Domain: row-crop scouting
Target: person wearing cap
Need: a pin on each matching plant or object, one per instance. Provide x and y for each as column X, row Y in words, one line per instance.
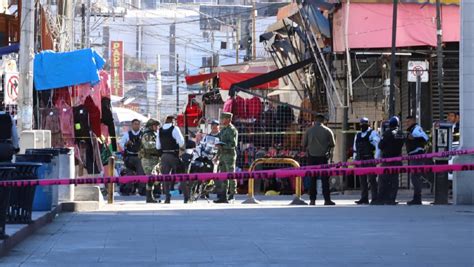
column 227, row 157
column 169, row 142
column 366, row 147
column 318, row 142
column 415, row 145
column 390, row 146
column 150, row 156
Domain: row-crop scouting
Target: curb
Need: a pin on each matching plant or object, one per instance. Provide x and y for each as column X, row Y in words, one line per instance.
column 28, row 230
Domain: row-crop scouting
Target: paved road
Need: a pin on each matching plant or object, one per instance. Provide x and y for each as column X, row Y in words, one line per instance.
column 134, row 234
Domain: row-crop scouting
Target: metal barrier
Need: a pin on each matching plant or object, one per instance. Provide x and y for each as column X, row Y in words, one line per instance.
column 5, row 174
column 298, row 181
column 111, row 186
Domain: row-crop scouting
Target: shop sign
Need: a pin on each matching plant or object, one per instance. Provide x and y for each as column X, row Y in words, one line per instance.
column 116, row 67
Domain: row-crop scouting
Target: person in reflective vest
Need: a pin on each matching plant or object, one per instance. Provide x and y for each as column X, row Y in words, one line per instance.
column 366, row 144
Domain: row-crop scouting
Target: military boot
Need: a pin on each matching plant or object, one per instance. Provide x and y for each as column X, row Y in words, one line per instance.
column 149, row 197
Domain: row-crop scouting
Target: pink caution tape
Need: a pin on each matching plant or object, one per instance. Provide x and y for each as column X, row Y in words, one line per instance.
column 268, row 174
column 394, row 159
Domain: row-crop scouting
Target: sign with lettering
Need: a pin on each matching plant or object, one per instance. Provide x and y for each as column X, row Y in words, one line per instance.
column 116, row 68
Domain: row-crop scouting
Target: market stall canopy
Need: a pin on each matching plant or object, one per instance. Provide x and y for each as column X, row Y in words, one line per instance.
column 370, row 25
column 227, row 79
column 193, row 79
column 127, row 115
column 56, row 70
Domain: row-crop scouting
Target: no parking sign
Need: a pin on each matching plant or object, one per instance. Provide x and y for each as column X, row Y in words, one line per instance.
column 11, row 88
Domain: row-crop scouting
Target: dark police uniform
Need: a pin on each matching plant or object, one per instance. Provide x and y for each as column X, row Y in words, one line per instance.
column 365, row 147
column 132, row 161
column 416, row 146
column 8, row 137
column 391, row 146
column 170, row 162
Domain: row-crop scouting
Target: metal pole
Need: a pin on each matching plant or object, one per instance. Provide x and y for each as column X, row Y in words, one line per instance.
column 177, row 84
column 254, row 30
column 88, row 24
column 111, row 186
column 83, row 34
column 392, row 60
column 418, row 99
column 439, row 52
column 237, row 41
column 25, row 96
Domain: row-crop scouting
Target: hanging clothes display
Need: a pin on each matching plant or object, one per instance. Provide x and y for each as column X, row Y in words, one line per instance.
column 51, row 122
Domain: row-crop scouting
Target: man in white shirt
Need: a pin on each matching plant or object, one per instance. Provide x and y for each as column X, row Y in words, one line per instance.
column 169, row 142
column 366, row 147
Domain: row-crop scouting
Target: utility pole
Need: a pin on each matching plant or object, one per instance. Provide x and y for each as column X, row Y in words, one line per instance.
column 88, row 24
column 177, row 84
column 254, row 30
column 25, row 96
column 439, row 52
column 237, row 41
column 172, row 47
column 393, row 60
column 83, row 34
column 212, row 50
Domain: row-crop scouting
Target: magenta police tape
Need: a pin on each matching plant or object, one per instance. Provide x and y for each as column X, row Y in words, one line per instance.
column 443, row 154
column 268, row 174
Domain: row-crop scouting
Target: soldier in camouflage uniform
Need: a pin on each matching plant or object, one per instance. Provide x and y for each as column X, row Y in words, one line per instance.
column 149, row 156
column 227, row 156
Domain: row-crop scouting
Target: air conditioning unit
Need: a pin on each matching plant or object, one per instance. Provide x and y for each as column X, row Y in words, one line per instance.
column 35, row 139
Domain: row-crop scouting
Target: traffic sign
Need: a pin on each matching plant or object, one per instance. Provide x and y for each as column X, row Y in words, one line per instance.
column 11, row 88
column 418, row 69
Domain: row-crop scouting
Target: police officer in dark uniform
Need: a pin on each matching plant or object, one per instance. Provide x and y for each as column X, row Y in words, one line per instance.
column 131, row 143
column 169, row 142
column 8, row 137
column 366, row 144
column 415, row 145
column 391, row 146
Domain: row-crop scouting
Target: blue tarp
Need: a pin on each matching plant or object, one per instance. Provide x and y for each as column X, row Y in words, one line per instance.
column 9, row 49
column 55, row 70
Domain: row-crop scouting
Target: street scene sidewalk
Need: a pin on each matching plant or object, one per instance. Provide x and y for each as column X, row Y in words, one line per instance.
column 270, row 234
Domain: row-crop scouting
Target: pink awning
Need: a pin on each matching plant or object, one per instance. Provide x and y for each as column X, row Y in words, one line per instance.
column 370, row 25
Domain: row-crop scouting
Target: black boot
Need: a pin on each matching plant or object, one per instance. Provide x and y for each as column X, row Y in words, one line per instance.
column 362, row 202
column 416, row 201
column 221, row 199
column 149, row 197
column 168, row 199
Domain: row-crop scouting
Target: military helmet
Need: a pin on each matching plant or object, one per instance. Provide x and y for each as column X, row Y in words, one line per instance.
column 152, row 122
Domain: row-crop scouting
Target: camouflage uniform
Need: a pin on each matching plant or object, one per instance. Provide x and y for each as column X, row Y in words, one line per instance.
column 227, row 156
column 150, row 157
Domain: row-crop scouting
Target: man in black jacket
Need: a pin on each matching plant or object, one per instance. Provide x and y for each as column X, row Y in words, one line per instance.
column 390, row 146
column 9, row 144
